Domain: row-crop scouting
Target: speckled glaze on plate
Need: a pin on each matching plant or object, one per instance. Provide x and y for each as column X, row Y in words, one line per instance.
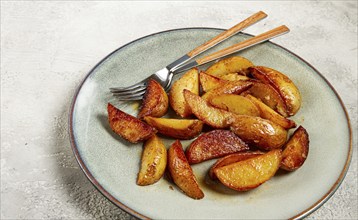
column 112, row 164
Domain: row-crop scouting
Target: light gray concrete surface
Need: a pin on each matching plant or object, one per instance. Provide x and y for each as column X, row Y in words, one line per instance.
column 47, row 48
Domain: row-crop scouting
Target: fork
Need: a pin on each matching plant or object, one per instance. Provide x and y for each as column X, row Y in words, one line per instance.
column 164, row 76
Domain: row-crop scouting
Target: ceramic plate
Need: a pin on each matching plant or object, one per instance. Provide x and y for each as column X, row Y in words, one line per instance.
column 112, row 164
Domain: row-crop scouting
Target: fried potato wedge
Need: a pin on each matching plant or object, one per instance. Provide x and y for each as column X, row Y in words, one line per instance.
column 155, row 101
column 260, row 132
column 283, row 84
column 127, row 126
column 230, row 87
column 236, row 104
column 229, row 65
column 232, row 158
column 268, row 95
column 209, row 82
column 295, row 150
column 268, row 113
column 153, row 163
column 214, row 117
column 176, row 128
column 250, row 173
column 181, row 172
column 233, row 77
column 214, row 144
column 189, row 81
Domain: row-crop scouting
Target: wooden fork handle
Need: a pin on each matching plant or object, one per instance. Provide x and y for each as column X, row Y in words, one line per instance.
column 244, row 44
column 228, row 33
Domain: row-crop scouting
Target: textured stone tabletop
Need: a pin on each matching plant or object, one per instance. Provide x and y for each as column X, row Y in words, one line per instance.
column 47, row 48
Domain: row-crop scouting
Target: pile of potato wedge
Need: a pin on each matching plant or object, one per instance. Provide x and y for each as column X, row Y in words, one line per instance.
column 233, row 111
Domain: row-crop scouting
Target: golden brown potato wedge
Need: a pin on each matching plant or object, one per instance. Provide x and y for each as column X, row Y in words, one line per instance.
column 230, row 87
column 155, row 101
column 232, row 158
column 268, row 95
column 250, row 173
column 127, row 126
column 236, row 104
column 229, row 65
column 283, row 85
column 214, row 117
column 153, row 163
column 176, row 128
column 260, row 132
column 295, row 150
column 209, row 82
column 233, row 77
column 214, row 144
column 189, row 81
column 268, row 113
column 181, row 172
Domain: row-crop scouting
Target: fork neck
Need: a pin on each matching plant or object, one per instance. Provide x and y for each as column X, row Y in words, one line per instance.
column 172, row 67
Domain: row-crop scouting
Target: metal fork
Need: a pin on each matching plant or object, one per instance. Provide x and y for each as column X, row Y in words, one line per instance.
column 164, row 76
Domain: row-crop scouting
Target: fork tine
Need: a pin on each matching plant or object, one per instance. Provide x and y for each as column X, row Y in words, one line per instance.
column 130, row 92
column 130, row 97
column 129, row 88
